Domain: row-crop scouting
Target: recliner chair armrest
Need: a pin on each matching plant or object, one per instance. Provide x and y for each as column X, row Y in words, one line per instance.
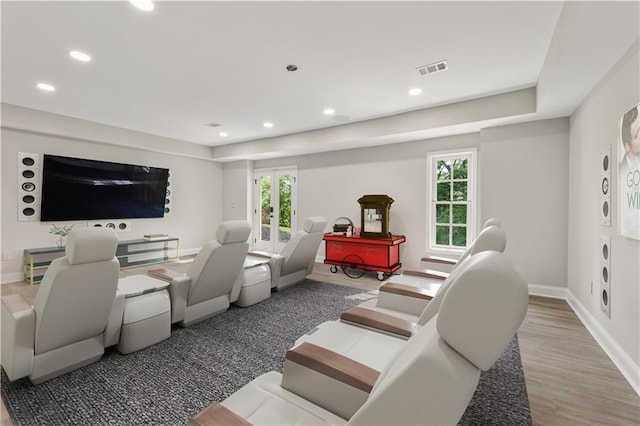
column 437, row 259
column 275, row 263
column 406, row 290
column 114, row 323
column 18, row 336
column 216, row 414
column 328, row 379
column 164, row 274
column 179, row 292
column 378, row 321
column 260, row 253
column 334, row 365
column 426, row 273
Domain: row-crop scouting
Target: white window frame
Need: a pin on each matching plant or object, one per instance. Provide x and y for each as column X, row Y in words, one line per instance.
column 472, row 194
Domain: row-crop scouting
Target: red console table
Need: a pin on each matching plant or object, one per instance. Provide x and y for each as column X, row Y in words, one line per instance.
column 366, row 254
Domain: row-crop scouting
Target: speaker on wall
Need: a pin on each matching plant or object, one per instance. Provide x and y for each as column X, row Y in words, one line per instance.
column 605, row 187
column 167, row 202
column 118, row 225
column 605, row 275
column 29, row 179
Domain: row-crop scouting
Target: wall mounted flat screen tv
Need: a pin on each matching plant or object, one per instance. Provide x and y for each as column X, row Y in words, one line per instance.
column 81, row 189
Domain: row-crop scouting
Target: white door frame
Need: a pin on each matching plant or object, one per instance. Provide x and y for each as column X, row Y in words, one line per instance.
column 273, row 244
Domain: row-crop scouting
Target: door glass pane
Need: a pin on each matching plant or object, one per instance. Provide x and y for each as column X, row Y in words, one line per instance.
column 459, row 236
column 284, row 228
column 444, row 191
column 265, row 208
column 460, row 191
column 459, row 213
column 442, row 235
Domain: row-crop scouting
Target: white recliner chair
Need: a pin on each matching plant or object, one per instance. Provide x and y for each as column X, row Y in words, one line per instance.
column 431, row 380
column 373, row 336
column 449, row 263
column 75, row 314
column 411, row 291
column 297, row 258
column 214, row 279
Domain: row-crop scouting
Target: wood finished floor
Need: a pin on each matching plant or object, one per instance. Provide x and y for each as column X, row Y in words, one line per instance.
column 570, row 380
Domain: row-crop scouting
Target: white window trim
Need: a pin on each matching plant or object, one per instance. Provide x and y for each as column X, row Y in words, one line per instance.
column 472, row 192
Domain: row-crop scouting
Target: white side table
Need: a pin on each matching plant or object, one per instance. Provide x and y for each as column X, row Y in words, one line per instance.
column 147, row 313
column 256, row 283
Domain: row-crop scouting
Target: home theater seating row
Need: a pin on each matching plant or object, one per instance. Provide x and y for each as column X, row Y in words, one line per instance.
column 428, row 377
column 82, row 306
column 381, row 363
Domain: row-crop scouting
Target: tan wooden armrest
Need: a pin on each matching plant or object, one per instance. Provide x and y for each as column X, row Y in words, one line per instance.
column 378, row 320
column 426, row 273
column 217, row 415
column 164, row 274
column 259, row 253
column 334, row 365
column 406, row 290
column 438, row 259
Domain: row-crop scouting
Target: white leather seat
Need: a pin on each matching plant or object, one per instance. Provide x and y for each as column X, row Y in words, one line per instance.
column 214, row 279
column 430, row 380
column 297, row 258
column 75, row 314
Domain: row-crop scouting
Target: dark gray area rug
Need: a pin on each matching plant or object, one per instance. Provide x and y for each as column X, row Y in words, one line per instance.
column 167, row 383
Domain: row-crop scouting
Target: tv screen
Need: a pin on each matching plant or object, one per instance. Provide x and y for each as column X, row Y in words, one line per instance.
column 81, row 189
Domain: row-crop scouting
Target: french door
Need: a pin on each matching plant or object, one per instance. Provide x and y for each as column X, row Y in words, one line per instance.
column 274, row 208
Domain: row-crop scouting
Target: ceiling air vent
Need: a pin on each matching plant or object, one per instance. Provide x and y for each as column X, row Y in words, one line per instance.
column 433, row 68
column 213, row 124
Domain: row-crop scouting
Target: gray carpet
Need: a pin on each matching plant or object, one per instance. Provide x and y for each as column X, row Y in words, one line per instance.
column 168, row 382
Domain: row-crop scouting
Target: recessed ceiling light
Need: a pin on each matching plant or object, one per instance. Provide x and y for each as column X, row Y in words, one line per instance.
column 46, row 87
column 415, row 91
column 80, row 56
column 329, row 111
column 223, row 134
column 267, row 124
column 146, row 5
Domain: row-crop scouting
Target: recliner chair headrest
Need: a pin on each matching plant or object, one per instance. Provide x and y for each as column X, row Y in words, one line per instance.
column 315, row 224
column 491, row 222
column 233, row 231
column 87, row 245
column 490, row 238
column 483, row 308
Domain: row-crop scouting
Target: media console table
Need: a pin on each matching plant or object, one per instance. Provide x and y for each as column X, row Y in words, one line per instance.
column 356, row 254
column 130, row 253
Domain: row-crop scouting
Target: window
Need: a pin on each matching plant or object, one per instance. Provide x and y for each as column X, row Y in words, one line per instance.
column 452, row 200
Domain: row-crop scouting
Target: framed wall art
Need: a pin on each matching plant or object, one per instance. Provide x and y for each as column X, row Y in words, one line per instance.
column 629, row 174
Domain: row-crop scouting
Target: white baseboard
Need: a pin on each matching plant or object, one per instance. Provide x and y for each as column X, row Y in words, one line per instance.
column 548, row 291
column 11, row 277
column 618, row 356
column 189, row 251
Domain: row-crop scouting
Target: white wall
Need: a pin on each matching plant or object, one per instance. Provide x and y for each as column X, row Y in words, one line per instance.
column 196, row 196
column 237, row 190
column 330, row 184
column 593, row 126
column 523, row 181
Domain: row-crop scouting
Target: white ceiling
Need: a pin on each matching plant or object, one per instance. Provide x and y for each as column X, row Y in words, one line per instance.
column 170, row 71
